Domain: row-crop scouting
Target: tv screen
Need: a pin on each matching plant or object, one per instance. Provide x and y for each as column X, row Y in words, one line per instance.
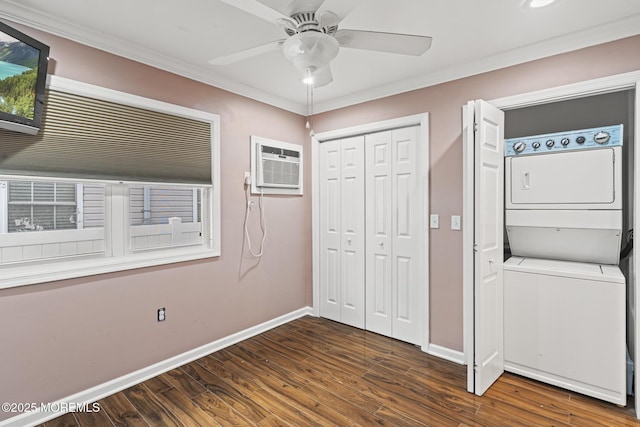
column 23, row 75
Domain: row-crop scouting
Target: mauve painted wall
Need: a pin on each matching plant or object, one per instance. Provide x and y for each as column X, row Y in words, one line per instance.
column 61, row 338
column 444, row 103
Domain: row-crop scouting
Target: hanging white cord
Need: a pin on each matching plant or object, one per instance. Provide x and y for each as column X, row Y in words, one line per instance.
column 262, row 223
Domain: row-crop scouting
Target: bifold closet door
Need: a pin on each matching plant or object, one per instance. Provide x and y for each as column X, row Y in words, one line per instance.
column 342, row 228
column 393, row 235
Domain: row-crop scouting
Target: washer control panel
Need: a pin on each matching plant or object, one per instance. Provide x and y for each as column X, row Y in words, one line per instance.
column 608, row 136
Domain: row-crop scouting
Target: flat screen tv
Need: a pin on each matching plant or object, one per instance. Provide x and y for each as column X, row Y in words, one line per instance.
column 23, row 75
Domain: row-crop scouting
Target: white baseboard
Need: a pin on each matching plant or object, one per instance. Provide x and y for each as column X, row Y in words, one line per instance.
column 29, row 419
column 446, row 353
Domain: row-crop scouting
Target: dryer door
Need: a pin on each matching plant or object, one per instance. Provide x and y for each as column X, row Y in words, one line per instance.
column 569, row 180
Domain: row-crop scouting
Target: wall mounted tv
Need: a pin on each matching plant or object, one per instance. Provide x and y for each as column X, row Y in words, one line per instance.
column 23, row 74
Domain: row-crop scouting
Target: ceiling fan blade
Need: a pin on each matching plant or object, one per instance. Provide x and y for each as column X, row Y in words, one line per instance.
column 405, row 44
column 287, row 24
column 291, row 7
column 246, row 54
column 258, row 9
column 322, row 77
column 341, row 8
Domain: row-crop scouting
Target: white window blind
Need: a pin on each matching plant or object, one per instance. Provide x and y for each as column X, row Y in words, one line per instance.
column 88, row 138
column 83, row 181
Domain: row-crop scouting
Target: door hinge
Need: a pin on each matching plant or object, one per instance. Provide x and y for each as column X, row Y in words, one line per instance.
column 475, row 247
column 475, row 126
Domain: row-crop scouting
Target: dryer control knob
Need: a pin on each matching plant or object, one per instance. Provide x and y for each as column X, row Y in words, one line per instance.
column 602, row 137
column 519, row 147
column 564, row 142
column 535, row 145
column 580, row 139
column 550, row 143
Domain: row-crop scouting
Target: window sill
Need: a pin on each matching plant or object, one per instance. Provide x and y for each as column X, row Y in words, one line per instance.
column 12, row 276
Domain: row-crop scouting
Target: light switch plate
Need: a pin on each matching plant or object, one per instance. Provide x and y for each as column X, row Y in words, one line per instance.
column 434, row 221
column 455, row 222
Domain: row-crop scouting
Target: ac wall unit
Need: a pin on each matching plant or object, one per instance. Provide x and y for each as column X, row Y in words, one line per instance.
column 276, row 167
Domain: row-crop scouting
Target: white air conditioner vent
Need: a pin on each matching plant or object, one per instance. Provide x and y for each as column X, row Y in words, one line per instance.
column 276, row 167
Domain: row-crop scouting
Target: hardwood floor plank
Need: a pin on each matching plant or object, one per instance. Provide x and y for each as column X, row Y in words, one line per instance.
column 93, row 419
column 346, row 406
column 217, row 409
column 407, row 397
column 287, row 389
column 258, row 363
column 121, row 412
column 584, row 409
column 187, row 412
column 66, row 420
column 319, row 379
column 228, row 394
column 158, row 384
column 272, row 421
column 394, row 418
column 534, row 402
column 183, row 382
column 278, row 402
column 153, row 412
column 335, row 361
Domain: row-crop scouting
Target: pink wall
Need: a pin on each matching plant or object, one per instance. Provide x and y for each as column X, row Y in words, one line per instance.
column 444, row 104
column 61, row 338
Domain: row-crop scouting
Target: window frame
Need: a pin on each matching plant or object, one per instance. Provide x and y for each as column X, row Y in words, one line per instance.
column 118, row 256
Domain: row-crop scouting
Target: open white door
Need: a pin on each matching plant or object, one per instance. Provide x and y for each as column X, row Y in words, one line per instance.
column 484, row 130
column 636, row 258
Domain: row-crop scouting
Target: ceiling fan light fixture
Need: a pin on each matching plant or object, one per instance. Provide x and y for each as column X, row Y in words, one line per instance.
column 310, row 50
column 535, row 4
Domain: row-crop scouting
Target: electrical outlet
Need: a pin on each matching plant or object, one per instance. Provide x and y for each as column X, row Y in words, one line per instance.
column 247, row 178
column 162, row 314
column 434, row 221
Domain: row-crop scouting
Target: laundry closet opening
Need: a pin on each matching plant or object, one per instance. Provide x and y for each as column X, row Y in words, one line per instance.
column 564, row 323
column 370, row 243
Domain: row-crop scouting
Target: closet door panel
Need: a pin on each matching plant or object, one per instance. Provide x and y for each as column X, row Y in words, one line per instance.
column 352, row 258
column 330, row 230
column 378, row 220
column 406, row 217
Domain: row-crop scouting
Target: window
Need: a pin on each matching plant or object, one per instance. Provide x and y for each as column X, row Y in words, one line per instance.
column 112, row 182
column 162, row 216
column 37, row 206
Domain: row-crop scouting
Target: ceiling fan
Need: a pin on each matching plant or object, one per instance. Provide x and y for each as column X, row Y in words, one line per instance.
column 313, row 38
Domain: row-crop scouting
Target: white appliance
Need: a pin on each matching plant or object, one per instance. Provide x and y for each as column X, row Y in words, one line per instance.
column 564, row 325
column 564, row 195
column 277, row 167
column 564, row 293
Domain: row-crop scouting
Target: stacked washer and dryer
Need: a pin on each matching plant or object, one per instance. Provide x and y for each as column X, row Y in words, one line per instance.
column 564, row 294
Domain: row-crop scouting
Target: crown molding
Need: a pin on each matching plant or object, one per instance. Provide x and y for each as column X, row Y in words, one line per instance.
column 627, row 27
column 43, row 22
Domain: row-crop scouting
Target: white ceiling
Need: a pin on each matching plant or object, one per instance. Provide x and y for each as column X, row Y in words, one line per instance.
column 469, row 36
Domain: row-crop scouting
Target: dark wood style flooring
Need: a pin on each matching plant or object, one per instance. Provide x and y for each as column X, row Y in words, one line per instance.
column 314, row 372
